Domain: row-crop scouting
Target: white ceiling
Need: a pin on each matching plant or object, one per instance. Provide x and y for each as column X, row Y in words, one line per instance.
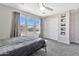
column 35, row 9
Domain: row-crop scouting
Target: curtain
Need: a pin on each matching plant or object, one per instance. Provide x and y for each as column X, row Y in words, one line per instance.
column 15, row 23
column 41, row 29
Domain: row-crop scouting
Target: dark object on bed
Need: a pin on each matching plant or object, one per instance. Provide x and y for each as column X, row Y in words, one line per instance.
column 29, row 46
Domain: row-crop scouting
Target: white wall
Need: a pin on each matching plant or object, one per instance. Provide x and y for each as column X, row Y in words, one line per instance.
column 5, row 22
column 50, row 27
column 75, row 26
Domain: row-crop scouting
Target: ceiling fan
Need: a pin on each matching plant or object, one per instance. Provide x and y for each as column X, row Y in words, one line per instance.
column 43, row 7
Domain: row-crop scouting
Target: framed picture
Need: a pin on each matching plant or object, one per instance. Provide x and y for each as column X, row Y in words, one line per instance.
column 63, row 24
column 62, row 19
column 63, row 29
column 62, row 33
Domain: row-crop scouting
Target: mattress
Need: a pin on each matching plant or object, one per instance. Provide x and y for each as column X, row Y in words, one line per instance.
column 21, row 46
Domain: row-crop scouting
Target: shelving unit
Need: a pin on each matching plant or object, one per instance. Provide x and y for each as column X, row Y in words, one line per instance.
column 63, row 27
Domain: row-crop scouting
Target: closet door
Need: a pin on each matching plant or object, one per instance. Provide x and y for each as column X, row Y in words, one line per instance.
column 74, row 27
column 77, row 27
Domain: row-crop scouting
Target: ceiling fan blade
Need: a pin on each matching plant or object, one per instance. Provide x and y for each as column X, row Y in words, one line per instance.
column 47, row 7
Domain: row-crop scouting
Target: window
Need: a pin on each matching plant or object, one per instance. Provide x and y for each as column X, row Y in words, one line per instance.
column 22, row 27
column 29, row 25
column 37, row 25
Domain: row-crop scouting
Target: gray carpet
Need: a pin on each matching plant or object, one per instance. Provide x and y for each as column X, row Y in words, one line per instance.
column 58, row 49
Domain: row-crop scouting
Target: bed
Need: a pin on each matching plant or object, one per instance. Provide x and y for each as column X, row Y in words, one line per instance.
column 21, row 46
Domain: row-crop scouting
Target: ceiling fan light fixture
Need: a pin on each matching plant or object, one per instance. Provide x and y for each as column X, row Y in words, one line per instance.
column 41, row 7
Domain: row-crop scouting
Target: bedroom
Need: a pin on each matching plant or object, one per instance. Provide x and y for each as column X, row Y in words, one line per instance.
column 51, row 24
